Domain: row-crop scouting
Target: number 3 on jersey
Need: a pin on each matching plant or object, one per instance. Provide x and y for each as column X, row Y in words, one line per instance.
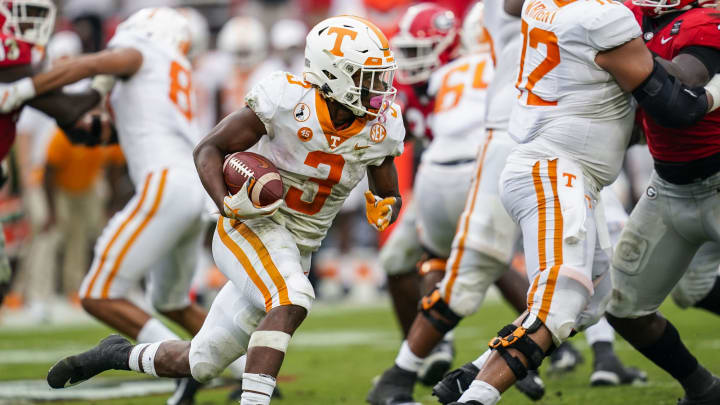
column 181, row 89
column 535, row 37
column 293, row 197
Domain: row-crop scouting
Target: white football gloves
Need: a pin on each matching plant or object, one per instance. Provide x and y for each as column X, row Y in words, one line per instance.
column 378, row 210
column 13, row 95
column 240, row 207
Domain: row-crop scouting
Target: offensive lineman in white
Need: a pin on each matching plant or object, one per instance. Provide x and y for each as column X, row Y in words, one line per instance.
column 578, row 60
column 324, row 133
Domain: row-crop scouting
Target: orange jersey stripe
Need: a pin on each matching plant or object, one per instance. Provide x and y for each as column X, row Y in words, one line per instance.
column 133, row 237
column 266, row 260
column 466, row 222
column 245, row 262
column 106, row 251
column 542, row 215
column 557, row 244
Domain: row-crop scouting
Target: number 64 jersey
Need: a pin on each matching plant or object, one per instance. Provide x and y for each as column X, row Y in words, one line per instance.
column 568, row 104
column 319, row 164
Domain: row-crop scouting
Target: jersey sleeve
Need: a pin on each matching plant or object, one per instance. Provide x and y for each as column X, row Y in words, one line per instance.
column 267, row 95
column 396, row 131
column 699, row 27
column 610, row 26
column 14, row 52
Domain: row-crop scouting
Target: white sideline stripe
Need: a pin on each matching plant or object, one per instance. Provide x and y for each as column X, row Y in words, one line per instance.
column 101, row 388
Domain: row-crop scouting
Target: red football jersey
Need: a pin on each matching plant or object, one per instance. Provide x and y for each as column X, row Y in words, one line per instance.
column 416, row 110
column 12, row 53
column 695, row 27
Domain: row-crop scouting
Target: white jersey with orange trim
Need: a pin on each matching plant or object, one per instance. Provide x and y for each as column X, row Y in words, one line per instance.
column 154, row 108
column 457, row 122
column 569, row 106
column 505, row 41
column 319, row 164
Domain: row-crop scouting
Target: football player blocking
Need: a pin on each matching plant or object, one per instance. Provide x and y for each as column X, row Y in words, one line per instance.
column 352, row 128
column 573, row 130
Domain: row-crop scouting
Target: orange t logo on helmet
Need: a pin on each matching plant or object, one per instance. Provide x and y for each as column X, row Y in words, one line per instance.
column 341, row 34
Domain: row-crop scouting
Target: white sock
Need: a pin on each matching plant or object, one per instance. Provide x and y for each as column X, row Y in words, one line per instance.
column 407, row 360
column 155, row 331
column 480, row 361
column 257, row 389
column 600, row 332
column 237, row 367
column 450, row 336
column 482, row 392
column 146, row 364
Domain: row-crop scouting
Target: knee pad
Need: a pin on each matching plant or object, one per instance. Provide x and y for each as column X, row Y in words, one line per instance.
column 300, row 290
column 437, row 312
column 516, row 337
column 472, row 278
column 211, row 351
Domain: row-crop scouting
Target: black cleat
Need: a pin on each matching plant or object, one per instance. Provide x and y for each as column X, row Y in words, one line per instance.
column 532, row 385
column 609, row 371
column 395, row 387
column 437, row 363
column 710, row 397
column 185, row 390
column 564, row 359
column 112, row 353
column 451, row 387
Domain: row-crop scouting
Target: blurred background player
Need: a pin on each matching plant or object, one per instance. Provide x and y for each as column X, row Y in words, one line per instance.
column 26, row 28
column 286, row 49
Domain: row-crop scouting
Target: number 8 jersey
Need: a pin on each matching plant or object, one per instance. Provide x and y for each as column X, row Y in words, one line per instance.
column 153, row 109
column 318, row 163
column 569, row 105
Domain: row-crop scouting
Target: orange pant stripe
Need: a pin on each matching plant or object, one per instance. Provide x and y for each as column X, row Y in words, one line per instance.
column 557, row 241
column 245, row 262
column 466, row 222
column 134, row 236
column 266, row 260
column 106, row 251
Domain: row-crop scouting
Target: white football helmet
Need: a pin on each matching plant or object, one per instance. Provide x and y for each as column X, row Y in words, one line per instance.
column 199, row 32
column 473, row 35
column 31, row 21
column 349, row 59
column 162, row 25
column 63, row 44
column 245, row 39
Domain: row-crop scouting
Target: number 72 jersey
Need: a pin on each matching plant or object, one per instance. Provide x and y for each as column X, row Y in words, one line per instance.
column 319, row 164
column 558, row 76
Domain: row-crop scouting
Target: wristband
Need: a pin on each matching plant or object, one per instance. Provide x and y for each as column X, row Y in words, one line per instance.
column 713, row 87
column 25, row 89
column 103, row 84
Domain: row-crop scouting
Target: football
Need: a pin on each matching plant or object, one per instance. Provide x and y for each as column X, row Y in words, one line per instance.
column 265, row 186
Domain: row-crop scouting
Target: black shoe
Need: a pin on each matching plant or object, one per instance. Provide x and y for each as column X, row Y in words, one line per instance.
column 437, row 363
column 609, row 371
column 564, row 359
column 451, row 387
column 532, row 385
column 112, row 353
column 185, row 389
column 395, row 387
column 710, row 397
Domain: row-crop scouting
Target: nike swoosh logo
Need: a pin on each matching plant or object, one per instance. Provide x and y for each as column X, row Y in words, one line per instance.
column 358, row 147
column 665, row 40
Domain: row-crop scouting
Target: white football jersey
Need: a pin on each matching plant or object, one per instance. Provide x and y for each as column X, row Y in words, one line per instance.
column 154, row 108
column 569, row 106
column 319, row 164
column 505, row 40
column 457, row 123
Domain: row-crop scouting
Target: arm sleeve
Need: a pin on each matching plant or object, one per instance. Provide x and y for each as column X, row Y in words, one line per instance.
column 612, row 26
column 710, row 57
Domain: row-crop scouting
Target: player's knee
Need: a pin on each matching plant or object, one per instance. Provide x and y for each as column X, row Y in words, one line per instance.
column 471, row 284
column 518, row 338
column 569, row 304
column 213, row 349
column 300, row 291
column 434, row 308
column 93, row 306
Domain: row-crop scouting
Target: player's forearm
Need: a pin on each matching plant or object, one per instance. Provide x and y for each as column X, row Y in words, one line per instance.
column 66, row 108
column 63, row 74
column 208, row 161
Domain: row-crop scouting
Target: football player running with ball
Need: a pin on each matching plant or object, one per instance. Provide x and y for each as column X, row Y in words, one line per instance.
column 676, row 220
column 323, row 132
column 579, row 61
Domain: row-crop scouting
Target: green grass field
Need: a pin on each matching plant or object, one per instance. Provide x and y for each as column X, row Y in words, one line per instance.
column 339, row 350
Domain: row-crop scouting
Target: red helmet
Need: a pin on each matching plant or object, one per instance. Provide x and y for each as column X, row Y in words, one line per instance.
column 655, row 8
column 427, row 38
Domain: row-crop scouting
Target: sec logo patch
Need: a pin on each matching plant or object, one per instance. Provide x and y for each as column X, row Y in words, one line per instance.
column 378, row 133
column 301, row 112
column 305, row 134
